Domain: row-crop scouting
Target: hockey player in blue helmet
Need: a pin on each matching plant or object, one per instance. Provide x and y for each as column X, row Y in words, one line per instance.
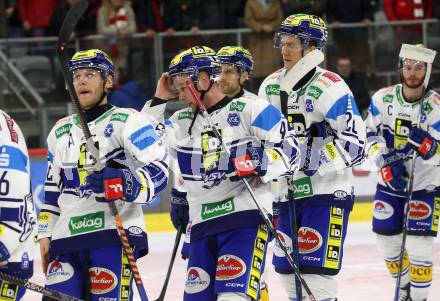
column 236, row 68
column 321, row 109
column 225, row 223
column 78, row 238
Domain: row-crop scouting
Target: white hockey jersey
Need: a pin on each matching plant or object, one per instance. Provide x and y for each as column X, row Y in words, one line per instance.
column 218, row 204
column 390, row 116
column 324, row 97
column 17, row 214
column 71, row 216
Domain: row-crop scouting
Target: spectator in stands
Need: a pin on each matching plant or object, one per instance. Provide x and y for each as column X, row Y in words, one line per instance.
column 352, row 42
column 13, row 24
column 436, row 9
column 182, row 15
column 127, row 94
column 355, row 82
column 149, row 16
column 264, row 18
column 396, row 10
column 35, row 16
column 220, row 14
column 59, row 13
column 311, row 7
column 116, row 21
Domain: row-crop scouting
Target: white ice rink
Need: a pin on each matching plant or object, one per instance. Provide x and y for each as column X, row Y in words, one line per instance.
column 364, row 276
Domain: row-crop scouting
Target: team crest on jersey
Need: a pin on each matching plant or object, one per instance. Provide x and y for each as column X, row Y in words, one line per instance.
column 309, row 105
column 233, row 119
column 108, row 131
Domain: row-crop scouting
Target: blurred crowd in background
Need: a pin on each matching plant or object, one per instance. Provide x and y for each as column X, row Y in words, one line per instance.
column 116, row 21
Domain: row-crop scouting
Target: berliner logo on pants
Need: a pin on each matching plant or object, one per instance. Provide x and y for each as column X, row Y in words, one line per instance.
column 229, row 267
column 102, row 280
column 309, row 240
column 197, row 280
column 419, row 210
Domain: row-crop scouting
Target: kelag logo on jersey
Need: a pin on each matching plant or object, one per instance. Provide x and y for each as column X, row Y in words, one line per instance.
column 401, row 132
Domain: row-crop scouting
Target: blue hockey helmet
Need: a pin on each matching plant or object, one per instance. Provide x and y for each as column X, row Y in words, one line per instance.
column 95, row 59
column 308, row 28
column 193, row 60
column 237, row 56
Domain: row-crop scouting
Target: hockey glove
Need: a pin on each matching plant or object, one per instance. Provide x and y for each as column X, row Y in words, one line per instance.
column 395, row 175
column 319, row 134
column 251, row 161
column 112, row 184
column 423, row 143
column 179, row 212
column 4, row 254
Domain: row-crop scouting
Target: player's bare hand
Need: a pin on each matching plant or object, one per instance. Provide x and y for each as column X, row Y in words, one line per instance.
column 44, row 251
column 163, row 88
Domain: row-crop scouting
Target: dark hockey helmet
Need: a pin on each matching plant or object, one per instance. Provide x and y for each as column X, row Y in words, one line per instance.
column 306, row 27
column 193, row 60
column 237, row 56
column 95, row 59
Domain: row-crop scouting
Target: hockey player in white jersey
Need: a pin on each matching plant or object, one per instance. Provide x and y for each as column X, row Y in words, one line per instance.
column 228, row 235
column 236, row 65
column 81, row 252
column 406, row 117
column 323, row 113
column 17, row 215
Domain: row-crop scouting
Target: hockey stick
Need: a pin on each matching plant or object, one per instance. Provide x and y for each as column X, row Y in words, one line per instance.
column 37, row 288
column 67, row 28
column 287, row 82
column 262, row 210
column 427, row 56
column 170, row 266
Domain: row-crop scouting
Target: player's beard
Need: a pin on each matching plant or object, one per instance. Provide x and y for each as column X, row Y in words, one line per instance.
column 413, row 85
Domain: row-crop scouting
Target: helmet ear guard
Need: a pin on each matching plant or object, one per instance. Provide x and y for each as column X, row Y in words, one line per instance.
column 95, row 59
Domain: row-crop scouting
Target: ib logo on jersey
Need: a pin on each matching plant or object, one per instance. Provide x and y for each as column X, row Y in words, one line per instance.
column 197, row 280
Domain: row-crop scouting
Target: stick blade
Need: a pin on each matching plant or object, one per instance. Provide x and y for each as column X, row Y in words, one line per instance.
column 301, row 68
column 70, row 21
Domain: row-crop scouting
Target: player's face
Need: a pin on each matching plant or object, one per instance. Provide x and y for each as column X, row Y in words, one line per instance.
column 291, row 49
column 89, row 86
column 413, row 73
column 229, row 82
column 180, row 84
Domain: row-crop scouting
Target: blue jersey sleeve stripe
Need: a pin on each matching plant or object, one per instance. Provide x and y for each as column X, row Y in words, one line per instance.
column 341, row 106
column 144, row 137
column 436, row 126
column 267, row 118
column 374, row 110
column 13, row 158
